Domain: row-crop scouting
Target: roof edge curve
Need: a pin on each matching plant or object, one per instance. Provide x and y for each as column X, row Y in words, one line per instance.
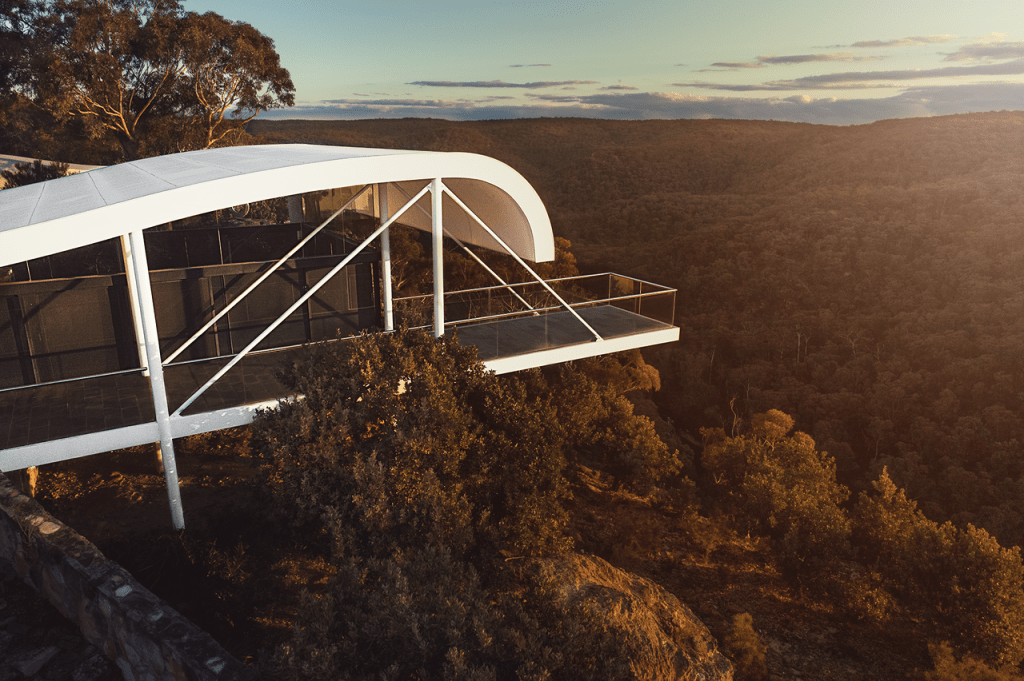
column 58, row 215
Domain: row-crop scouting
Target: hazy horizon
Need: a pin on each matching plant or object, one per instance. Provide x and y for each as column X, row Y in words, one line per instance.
column 837, row 63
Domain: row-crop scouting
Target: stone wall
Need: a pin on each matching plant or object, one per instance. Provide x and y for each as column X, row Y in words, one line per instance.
column 144, row 636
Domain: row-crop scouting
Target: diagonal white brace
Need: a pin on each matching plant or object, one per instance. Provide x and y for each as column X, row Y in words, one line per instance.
column 522, row 263
column 301, row 301
column 263, row 277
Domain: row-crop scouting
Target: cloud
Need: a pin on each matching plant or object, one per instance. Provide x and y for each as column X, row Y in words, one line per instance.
column 988, row 51
column 618, row 87
column 914, row 102
column 904, row 42
column 1006, row 69
column 736, row 65
column 779, row 86
column 763, row 62
column 417, row 103
column 500, row 83
column 525, row 66
column 804, row 58
column 853, row 80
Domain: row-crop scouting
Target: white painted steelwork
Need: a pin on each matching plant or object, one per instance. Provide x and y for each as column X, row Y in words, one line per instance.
column 437, row 242
column 144, row 294
column 298, row 303
column 385, row 262
column 499, row 211
column 263, row 277
column 58, row 215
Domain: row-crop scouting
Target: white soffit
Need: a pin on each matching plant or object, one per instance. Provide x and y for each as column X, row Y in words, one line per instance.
column 58, row 215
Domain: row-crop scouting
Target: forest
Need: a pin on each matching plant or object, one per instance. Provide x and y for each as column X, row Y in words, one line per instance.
column 867, row 280
column 827, row 466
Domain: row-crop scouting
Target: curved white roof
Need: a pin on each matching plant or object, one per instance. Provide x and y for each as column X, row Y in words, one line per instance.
column 54, row 216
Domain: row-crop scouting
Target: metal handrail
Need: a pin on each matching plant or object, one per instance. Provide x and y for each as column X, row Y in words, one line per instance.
column 136, row 370
column 664, row 289
column 584, row 303
column 632, row 296
column 448, row 323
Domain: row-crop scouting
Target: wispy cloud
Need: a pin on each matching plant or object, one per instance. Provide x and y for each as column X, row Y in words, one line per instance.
column 500, row 83
column 418, row 103
column 805, row 58
column 1005, row 69
column 619, row 87
column 853, row 80
column 778, row 86
column 904, row 42
column 918, row 101
column 988, row 51
column 776, row 60
column 737, row 65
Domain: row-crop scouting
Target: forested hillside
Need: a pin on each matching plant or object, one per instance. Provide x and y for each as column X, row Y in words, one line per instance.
column 868, row 280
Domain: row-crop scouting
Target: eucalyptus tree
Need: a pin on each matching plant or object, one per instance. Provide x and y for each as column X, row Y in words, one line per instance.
column 149, row 75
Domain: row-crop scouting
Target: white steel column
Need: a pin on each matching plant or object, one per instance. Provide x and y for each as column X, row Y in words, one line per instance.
column 437, row 231
column 156, row 375
column 133, row 298
column 385, row 259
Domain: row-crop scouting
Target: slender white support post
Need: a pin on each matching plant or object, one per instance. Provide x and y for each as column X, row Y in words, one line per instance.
column 437, row 231
column 385, row 259
column 133, row 298
column 156, row 375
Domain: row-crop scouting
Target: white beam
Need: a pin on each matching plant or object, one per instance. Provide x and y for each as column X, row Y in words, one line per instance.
column 53, row 451
column 437, row 241
column 156, row 375
column 133, row 298
column 521, row 262
column 385, row 259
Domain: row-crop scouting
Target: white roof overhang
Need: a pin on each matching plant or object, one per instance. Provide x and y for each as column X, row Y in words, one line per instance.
column 58, row 215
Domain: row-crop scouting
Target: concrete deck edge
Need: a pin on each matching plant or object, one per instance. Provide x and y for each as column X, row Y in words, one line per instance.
column 568, row 353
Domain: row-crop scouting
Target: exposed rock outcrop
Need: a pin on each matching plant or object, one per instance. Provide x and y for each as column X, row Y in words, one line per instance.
column 664, row 639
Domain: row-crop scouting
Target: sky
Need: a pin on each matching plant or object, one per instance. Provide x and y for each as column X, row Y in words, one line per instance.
column 838, row 63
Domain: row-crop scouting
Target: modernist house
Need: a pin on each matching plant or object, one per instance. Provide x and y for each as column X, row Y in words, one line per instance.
column 129, row 315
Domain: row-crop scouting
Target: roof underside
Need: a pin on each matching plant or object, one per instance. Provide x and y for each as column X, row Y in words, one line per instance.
column 55, row 216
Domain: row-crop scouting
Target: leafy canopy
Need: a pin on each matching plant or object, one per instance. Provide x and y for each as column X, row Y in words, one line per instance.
column 144, row 73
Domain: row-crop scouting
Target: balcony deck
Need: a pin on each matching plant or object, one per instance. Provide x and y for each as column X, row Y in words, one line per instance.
column 120, row 406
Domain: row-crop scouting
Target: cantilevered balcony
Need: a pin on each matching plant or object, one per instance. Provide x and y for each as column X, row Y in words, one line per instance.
column 147, row 352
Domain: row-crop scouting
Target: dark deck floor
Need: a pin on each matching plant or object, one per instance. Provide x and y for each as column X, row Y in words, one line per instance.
column 50, row 412
column 523, row 335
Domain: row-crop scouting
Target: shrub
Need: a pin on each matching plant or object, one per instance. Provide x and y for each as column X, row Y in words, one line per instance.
column 972, row 587
column 948, row 668
column 746, row 650
column 602, row 430
column 429, row 477
column 403, row 441
column 786, row 490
